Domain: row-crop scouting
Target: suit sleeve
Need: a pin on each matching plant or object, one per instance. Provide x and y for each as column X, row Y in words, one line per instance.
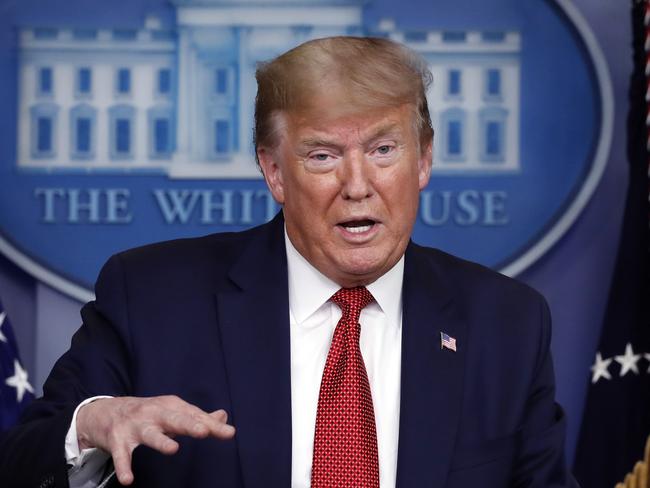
column 541, row 458
column 32, row 454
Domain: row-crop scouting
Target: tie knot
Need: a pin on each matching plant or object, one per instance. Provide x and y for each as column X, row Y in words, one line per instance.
column 352, row 300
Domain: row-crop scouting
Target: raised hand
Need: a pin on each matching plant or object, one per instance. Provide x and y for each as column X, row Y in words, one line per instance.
column 118, row 425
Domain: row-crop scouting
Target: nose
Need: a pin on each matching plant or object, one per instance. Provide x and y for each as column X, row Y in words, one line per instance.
column 355, row 175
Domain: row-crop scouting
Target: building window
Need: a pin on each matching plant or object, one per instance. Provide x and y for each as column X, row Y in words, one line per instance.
column 164, row 81
column 125, row 34
column 221, row 137
column 454, row 83
column 302, row 31
column 122, row 120
column 415, row 36
column 43, row 130
column 45, row 81
column 84, row 81
column 45, row 33
column 44, row 140
column 161, row 136
column 161, row 133
column 82, row 131
column 492, row 123
column 124, row 81
column 493, row 134
column 454, row 138
column 453, row 135
column 84, row 34
column 493, row 36
column 493, row 84
column 162, row 35
column 221, row 81
column 454, row 36
column 123, row 136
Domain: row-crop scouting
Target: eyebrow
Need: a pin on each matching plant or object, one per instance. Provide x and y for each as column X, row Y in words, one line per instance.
column 385, row 130
column 317, row 142
column 382, row 131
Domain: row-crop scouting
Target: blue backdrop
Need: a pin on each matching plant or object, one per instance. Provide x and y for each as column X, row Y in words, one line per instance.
column 559, row 131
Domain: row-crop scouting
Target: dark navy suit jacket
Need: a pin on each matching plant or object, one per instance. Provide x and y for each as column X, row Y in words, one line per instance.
column 207, row 319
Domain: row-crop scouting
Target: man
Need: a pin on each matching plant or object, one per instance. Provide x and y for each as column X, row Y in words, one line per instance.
column 446, row 382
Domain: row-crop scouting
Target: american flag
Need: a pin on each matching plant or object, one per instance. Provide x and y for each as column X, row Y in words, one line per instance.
column 616, row 418
column 448, row 342
column 15, row 390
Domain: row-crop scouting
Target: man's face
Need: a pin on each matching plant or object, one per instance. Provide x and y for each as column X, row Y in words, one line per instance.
column 349, row 185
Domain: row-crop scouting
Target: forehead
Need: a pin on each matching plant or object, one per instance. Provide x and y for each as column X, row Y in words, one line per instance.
column 338, row 120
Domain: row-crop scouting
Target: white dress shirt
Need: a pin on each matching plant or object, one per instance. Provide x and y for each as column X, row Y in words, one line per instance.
column 313, row 319
column 86, row 466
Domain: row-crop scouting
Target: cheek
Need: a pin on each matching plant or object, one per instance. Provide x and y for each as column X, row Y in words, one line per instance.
column 315, row 193
column 403, row 212
column 308, row 201
column 403, row 192
column 408, row 210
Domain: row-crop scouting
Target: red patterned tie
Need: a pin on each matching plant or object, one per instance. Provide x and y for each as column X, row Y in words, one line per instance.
column 345, row 444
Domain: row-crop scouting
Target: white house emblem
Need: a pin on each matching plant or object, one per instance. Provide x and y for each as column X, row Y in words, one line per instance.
column 139, row 132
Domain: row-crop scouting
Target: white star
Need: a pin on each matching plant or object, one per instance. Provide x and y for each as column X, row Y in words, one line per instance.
column 628, row 360
column 19, row 381
column 599, row 369
column 3, row 315
column 647, row 356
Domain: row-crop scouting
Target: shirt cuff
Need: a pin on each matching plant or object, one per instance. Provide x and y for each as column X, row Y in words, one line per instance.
column 73, row 456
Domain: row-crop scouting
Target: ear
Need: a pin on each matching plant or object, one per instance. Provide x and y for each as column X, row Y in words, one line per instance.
column 272, row 170
column 424, row 165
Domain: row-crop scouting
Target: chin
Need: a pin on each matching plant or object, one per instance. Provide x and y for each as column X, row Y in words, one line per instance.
column 360, row 273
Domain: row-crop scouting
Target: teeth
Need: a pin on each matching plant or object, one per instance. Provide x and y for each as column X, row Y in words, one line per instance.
column 358, row 230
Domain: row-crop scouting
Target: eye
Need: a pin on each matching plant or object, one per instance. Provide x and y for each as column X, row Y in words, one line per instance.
column 385, row 149
column 320, row 161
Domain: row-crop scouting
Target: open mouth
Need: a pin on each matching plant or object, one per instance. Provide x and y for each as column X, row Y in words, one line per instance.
column 358, row 226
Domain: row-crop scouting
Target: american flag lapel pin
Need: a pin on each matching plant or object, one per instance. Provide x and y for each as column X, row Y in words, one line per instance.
column 447, row 342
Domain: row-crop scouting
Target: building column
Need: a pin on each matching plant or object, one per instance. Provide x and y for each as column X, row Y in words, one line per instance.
column 183, row 120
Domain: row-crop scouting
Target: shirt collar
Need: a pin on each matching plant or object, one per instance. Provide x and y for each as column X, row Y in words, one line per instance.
column 309, row 289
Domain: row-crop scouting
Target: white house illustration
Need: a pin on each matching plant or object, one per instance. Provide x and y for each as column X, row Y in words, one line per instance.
column 179, row 100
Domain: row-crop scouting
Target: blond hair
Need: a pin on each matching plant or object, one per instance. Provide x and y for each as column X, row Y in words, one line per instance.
column 366, row 73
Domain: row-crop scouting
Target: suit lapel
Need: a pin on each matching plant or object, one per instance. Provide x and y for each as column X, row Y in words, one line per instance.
column 254, row 328
column 431, row 385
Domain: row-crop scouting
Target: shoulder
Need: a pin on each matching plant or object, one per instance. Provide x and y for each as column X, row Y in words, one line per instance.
column 180, row 264
column 473, row 283
column 503, row 317
column 209, row 248
column 500, row 312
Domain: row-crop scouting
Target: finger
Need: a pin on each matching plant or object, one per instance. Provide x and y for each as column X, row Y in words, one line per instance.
column 151, row 436
column 177, row 404
column 221, row 415
column 178, row 408
column 214, row 421
column 122, row 465
column 223, row 431
column 219, row 426
column 177, row 423
column 199, row 425
column 188, row 419
column 174, row 403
